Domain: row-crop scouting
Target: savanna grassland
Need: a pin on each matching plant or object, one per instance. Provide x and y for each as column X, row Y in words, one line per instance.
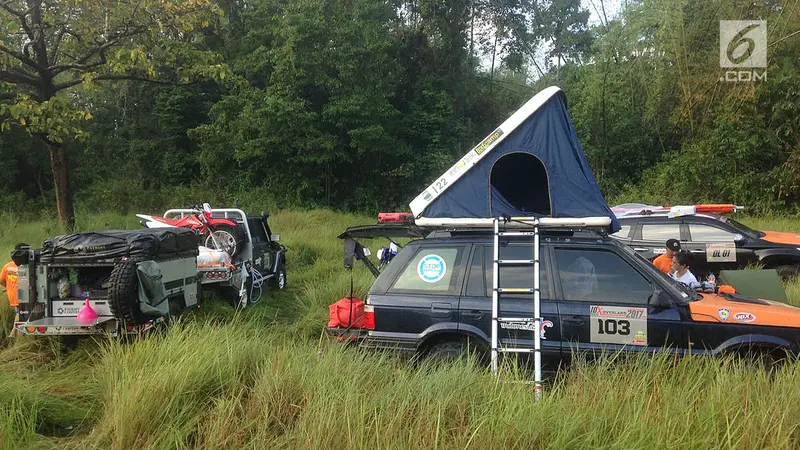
column 268, row 377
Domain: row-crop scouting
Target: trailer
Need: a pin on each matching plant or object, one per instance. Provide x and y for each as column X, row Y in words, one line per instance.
column 111, row 282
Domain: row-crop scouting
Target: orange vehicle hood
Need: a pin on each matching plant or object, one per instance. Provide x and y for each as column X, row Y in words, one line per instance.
column 722, row 309
column 781, row 238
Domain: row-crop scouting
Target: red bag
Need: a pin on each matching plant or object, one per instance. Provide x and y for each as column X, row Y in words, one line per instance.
column 346, row 310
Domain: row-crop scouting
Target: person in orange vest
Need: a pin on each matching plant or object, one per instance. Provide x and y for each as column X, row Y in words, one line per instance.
column 664, row 261
column 8, row 279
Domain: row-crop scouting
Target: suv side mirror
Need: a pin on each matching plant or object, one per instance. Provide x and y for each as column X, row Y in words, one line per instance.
column 658, row 300
column 275, row 237
column 738, row 237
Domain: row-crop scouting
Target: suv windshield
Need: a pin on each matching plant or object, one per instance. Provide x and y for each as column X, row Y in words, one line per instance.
column 747, row 231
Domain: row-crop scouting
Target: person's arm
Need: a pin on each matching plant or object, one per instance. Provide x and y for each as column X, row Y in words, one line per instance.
column 3, row 273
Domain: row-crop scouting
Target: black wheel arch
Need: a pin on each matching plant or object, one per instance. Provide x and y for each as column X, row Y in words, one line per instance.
column 433, row 338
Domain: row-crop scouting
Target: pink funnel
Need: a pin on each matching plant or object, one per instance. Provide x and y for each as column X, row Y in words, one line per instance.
column 87, row 314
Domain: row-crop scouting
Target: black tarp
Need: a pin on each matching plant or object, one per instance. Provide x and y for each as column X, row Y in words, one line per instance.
column 91, row 246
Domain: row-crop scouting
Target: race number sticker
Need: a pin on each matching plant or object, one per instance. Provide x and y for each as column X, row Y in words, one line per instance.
column 618, row 325
column 431, row 268
column 721, row 252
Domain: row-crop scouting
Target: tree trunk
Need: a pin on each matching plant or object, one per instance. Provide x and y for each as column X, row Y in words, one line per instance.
column 60, row 165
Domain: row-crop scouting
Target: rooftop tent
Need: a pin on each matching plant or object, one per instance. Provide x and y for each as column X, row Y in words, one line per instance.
column 532, row 166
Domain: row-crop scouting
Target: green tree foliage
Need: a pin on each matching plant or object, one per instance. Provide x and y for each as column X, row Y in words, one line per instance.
column 358, row 104
column 49, row 48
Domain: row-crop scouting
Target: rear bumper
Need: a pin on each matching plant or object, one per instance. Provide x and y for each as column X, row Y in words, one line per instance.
column 377, row 340
column 70, row 326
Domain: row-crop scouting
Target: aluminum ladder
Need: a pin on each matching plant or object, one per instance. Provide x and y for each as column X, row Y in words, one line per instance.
column 497, row 291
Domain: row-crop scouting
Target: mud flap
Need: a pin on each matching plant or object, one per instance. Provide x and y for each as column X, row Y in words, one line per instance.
column 152, row 294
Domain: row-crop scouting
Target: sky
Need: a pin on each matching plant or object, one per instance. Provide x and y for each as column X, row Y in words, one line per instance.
column 612, row 7
column 595, row 7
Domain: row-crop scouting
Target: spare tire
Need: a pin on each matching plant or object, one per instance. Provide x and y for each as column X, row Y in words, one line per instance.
column 232, row 239
column 124, row 294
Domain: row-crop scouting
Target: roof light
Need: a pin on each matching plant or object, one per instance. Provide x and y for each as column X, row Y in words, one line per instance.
column 396, row 217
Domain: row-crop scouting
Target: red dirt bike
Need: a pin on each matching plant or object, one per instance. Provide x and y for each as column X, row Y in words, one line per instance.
column 219, row 234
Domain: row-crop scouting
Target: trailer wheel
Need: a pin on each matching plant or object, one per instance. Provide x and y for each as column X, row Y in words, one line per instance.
column 124, row 294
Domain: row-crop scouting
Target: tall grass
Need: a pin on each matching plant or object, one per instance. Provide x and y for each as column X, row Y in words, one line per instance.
column 265, row 378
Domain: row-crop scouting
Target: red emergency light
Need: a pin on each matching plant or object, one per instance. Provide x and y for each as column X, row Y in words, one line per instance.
column 395, row 217
column 717, row 208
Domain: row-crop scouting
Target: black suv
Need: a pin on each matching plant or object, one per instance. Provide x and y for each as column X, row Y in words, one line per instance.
column 716, row 242
column 434, row 297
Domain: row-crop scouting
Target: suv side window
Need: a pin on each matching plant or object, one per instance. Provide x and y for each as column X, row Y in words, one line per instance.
column 661, row 232
column 476, row 286
column 595, row 275
column 479, row 283
column 433, row 269
column 624, row 232
column 706, row 233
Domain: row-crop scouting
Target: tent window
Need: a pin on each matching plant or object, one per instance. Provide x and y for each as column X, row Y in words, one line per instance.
column 521, row 179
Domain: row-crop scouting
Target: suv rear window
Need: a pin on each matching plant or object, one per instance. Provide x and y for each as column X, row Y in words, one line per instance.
column 432, row 270
column 479, row 283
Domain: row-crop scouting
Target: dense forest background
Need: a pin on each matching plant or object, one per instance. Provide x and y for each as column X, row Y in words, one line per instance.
column 359, row 104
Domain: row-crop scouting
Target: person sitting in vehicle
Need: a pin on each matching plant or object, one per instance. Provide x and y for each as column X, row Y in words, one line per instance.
column 680, row 270
column 583, row 278
column 664, row 262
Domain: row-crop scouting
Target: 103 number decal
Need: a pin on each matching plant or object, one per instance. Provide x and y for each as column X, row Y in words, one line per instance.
column 618, row 325
column 611, row 326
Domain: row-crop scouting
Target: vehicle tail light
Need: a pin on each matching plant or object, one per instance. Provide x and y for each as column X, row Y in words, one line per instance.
column 369, row 317
column 42, row 329
column 30, row 329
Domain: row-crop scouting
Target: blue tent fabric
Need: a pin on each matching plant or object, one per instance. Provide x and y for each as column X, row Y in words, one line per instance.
column 549, row 135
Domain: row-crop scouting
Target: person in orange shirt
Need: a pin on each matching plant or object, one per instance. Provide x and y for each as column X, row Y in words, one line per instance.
column 663, row 262
column 8, row 279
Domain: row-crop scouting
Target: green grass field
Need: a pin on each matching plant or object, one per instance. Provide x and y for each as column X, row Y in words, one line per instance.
column 267, row 377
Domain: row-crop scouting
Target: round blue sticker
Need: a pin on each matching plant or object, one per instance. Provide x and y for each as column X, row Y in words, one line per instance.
column 431, row 268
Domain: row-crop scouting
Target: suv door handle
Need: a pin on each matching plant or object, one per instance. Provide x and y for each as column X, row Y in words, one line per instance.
column 576, row 320
column 641, row 249
column 441, row 308
column 475, row 314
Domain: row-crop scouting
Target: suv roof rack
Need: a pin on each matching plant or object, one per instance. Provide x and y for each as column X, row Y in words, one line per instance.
column 542, row 222
column 467, row 232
